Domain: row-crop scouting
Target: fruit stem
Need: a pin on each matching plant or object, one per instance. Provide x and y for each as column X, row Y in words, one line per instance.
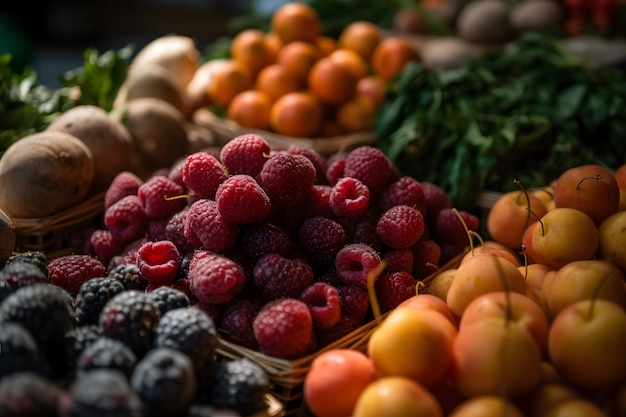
column 372, row 276
column 595, row 295
column 176, row 197
column 519, row 184
column 589, row 177
column 467, row 231
column 525, row 261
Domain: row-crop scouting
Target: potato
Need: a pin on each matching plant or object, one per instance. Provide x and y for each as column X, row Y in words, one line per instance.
column 447, row 53
column 197, row 90
column 158, row 131
column 537, row 15
column 485, row 22
column 44, row 173
column 7, row 237
column 109, row 141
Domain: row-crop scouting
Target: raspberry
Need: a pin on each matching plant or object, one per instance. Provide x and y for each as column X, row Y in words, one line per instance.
column 25, row 394
column 176, row 172
column 335, row 167
column 161, row 197
column 168, row 298
column 287, row 179
column 206, row 228
column 71, row 271
column 365, row 232
column 128, row 255
column 203, row 173
column 19, row 351
column 245, row 154
column 262, row 238
column 349, row 198
column 158, row 262
column 354, row 262
column 400, row 227
column 344, row 326
column 92, row 297
column 317, row 203
column 426, row 258
column 175, row 232
column 124, row 184
column 320, row 239
column 324, row 304
column 155, row 229
column 284, row 328
column 104, row 246
column 215, row 278
column 236, row 322
column 370, row 166
column 405, row 191
column 276, row 276
column 128, row 274
column 212, row 310
column 319, row 162
column 126, row 219
column 449, row 229
column 106, row 353
column 435, row 199
column 399, row 260
column 18, row 274
column 354, row 301
column 394, row 288
column 241, row 200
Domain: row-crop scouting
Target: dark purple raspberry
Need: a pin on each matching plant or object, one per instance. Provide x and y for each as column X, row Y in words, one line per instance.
column 128, row 274
column 71, row 271
column 236, row 322
column 77, row 340
column 18, row 274
column 93, row 295
column 329, row 276
column 284, row 328
column 435, row 199
column 345, row 325
column 354, row 262
column 262, row 238
column 124, row 184
column 245, row 154
column 104, row 246
column 158, row 261
column 214, row 278
column 335, row 166
column 317, row 204
column 276, row 276
column 399, row 260
column 287, row 179
column 241, row 200
column 155, row 229
column 400, row 227
column 355, row 301
column 320, row 239
column 128, row 255
column 349, row 198
column 370, row 166
column 29, row 394
column 394, row 288
column 203, row 173
column 319, row 162
column 175, row 232
column 164, row 379
column 365, row 232
column 131, row 317
column 176, row 172
column 106, row 353
column 168, row 298
column 212, row 310
column 426, row 258
column 126, row 219
column 19, row 351
column 161, row 197
column 207, row 229
column 405, row 191
column 449, row 228
column 324, row 303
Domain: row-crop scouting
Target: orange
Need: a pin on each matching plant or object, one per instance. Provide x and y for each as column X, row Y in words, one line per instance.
column 352, row 60
column 276, row 81
column 356, row 114
column 331, row 82
column 229, row 79
column 251, row 49
column 360, row 36
column 295, row 21
column 391, row 55
column 251, row 108
column 325, row 45
column 273, row 43
column 298, row 57
column 372, row 87
column 296, row 114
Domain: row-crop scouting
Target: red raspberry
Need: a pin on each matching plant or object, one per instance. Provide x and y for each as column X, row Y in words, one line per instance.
column 212, row 310
column 399, row 260
column 262, row 238
column 207, row 228
column 155, row 230
column 241, row 200
column 176, row 172
column 245, row 154
column 128, row 256
column 335, row 166
column 319, row 162
column 436, row 199
column 104, row 246
column 349, row 198
column 329, row 277
column 71, row 271
column 157, row 197
column 426, row 258
column 365, row 232
column 203, row 173
column 324, row 303
column 320, row 239
column 354, row 262
column 126, row 218
column 394, row 288
column 370, row 166
column 158, row 262
column 276, row 276
column 355, row 301
column 175, row 232
column 318, row 202
column 284, row 328
column 287, row 179
column 400, row 227
column 215, row 278
column 125, row 183
column 344, row 326
column 236, row 322
column 405, row 191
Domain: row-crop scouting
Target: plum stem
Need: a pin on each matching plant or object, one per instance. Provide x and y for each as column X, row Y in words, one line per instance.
column 523, row 190
column 589, row 177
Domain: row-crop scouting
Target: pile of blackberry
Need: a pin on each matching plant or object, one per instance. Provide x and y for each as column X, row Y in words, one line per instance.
column 113, row 351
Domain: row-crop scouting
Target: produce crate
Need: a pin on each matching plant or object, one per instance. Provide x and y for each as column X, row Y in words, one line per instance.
column 226, row 130
column 287, row 376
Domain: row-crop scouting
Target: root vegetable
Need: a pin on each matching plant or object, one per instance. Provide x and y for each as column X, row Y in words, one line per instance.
column 485, row 22
column 537, row 15
column 447, row 52
column 7, row 237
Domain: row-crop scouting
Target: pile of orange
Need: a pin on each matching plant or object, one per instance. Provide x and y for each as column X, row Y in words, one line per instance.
column 295, row 81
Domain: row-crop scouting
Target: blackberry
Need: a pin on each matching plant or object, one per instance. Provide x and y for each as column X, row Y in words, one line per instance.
column 131, row 317
column 192, row 332
column 101, row 392
column 241, row 385
column 164, row 380
column 129, row 275
column 47, row 312
column 92, row 297
column 168, row 298
column 77, row 340
column 106, row 353
column 27, row 394
column 36, row 258
column 18, row 349
column 18, row 274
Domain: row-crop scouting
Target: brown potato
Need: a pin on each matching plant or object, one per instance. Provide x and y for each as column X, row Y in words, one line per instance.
column 485, row 22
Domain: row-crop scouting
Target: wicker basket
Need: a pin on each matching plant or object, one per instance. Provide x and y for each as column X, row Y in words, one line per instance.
column 226, row 130
column 287, row 376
